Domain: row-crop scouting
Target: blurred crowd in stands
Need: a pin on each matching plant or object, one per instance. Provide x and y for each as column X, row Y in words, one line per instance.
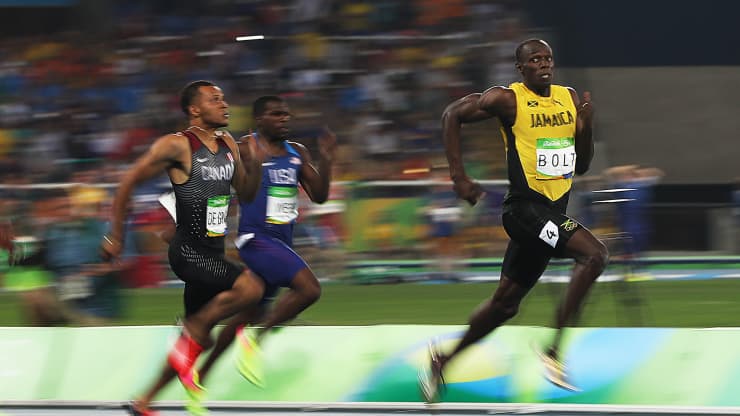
column 76, row 109
column 379, row 72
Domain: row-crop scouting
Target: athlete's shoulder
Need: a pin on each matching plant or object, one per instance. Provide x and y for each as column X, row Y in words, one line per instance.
column 497, row 92
column 178, row 135
column 245, row 138
column 225, row 134
column 171, row 146
column 563, row 88
column 498, row 89
column 295, row 144
column 570, row 91
column 298, row 149
column 226, row 137
column 177, row 139
column 228, row 140
column 497, row 99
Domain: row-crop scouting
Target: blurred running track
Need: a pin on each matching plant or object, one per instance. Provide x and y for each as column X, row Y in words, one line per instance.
column 41, row 408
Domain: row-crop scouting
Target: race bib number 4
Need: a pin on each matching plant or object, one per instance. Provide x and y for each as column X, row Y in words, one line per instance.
column 282, row 205
column 549, row 234
column 556, row 158
column 216, row 211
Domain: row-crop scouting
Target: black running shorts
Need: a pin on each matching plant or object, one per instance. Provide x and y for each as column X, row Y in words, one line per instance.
column 205, row 271
column 538, row 232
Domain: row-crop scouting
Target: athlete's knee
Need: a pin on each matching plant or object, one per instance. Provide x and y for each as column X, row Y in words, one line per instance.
column 311, row 293
column 315, row 293
column 307, row 285
column 598, row 257
column 505, row 308
column 248, row 289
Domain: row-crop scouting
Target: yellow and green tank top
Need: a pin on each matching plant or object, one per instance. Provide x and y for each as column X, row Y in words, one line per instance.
column 540, row 145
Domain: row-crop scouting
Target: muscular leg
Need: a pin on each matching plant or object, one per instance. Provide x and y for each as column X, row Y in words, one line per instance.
column 250, row 316
column 195, row 297
column 492, row 313
column 591, row 258
column 305, row 290
column 246, row 292
column 165, row 377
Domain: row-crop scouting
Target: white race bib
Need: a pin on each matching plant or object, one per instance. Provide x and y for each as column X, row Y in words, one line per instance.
column 216, row 212
column 282, row 205
column 549, row 234
column 556, row 158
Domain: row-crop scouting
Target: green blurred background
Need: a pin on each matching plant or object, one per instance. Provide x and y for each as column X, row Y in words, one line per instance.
column 691, row 303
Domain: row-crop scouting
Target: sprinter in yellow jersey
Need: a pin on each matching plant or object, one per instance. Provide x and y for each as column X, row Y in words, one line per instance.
column 547, row 134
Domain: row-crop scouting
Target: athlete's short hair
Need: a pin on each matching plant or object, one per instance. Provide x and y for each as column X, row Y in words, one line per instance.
column 190, row 92
column 260, row 104
column 520, row 48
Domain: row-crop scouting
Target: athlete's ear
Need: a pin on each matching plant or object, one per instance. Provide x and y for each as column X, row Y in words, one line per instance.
column 194, row 110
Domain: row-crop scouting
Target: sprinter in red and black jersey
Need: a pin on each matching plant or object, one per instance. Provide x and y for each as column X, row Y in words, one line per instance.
column 203, row 164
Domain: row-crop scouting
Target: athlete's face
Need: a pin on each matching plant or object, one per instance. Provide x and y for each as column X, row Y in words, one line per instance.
column 211, row 106
column 273, row 123
column 536, row 65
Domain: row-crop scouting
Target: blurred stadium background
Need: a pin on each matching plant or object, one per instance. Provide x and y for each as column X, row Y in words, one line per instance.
column 86, row 85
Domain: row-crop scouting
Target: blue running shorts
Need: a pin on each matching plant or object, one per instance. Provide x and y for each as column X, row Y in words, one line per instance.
column 270, row 258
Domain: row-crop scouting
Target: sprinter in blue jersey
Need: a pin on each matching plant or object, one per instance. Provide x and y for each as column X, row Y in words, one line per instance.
column 266, row 232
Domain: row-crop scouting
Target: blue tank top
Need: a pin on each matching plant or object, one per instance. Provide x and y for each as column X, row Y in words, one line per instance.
column 275, row 208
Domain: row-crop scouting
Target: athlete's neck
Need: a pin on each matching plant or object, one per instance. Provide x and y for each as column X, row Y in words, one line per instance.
column 541, row 90
column 270, row 145
column 210, row 133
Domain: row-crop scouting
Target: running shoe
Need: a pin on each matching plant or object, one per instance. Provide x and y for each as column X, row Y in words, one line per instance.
column 555, row 371
column 194, row 403
column 191, row 382
column 182, row 359
column 431, row 379
column 134, row 410
column 249, row 356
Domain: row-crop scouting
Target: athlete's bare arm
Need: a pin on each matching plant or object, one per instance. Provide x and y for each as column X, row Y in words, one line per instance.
column 584, row 131
column 316, row 180
column 248, row 171
column 170, row 153
column 494, row 102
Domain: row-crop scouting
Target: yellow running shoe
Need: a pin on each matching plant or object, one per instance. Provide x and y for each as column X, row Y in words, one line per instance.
column 249, row 356
column 194, row 403
column 555, row 371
